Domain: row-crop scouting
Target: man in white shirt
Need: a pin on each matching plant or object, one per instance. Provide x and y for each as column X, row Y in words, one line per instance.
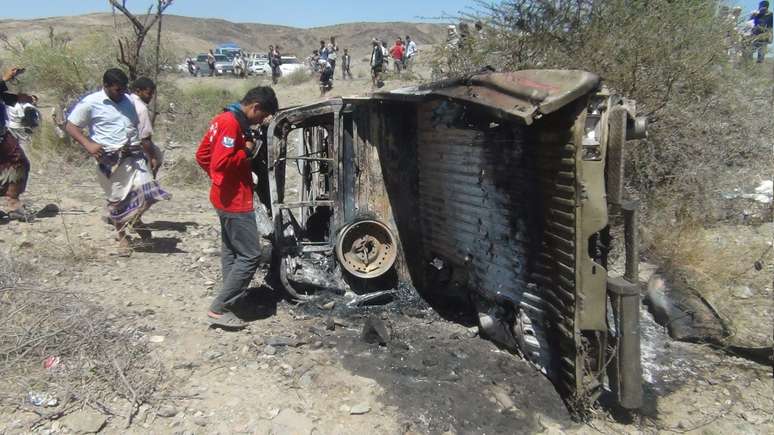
column 114, row 141
column 410, row 53
column 143, row 90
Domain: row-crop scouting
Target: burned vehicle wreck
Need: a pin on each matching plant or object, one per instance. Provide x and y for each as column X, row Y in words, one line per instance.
column 493, row 190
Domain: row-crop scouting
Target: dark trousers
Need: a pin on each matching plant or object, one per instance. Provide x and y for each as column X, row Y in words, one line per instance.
column 333, row 65
column 345, row 72
column 240, row 257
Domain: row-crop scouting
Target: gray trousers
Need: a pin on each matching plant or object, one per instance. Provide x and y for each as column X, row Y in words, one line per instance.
column 240, row 257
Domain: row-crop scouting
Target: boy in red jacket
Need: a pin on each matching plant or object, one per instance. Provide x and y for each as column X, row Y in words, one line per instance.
column 225, row 153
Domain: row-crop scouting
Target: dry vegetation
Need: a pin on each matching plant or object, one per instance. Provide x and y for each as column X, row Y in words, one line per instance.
column 64, row 353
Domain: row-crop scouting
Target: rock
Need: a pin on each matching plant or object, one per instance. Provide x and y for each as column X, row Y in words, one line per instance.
column 329, row 306
column 156, row 339
column 375, row 331
column 211, row 251
column 213, row 354
column 472, row 332
column 306, row 380
column 167, row 411
column 270, row 350
column 743, row 292
column 287, row 370
column 200, row 420
column 359, row 409
column 185, row 366
column 85, row 421
column 503, row 398
column 291, row 422
column 284, row 341
column 317, row 344
column 330, row 324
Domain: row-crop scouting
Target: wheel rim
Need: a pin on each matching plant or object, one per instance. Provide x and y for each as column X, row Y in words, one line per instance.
column 366, row 249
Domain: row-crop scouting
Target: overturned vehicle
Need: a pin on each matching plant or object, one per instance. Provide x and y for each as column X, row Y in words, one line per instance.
column 493, row 189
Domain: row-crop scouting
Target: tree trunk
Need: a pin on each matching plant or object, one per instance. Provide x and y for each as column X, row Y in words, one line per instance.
column 158, row 60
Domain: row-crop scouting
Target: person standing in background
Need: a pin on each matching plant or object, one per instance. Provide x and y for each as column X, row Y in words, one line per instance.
column 333, row 54
column 346, row 64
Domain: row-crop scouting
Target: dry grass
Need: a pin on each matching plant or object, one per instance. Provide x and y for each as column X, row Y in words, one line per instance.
column 95, row 359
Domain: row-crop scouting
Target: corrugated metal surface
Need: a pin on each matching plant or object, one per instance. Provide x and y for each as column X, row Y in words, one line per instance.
column 500, row 203
column 480, row 210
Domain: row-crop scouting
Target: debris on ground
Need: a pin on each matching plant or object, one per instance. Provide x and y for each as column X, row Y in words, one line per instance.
column 375, row 331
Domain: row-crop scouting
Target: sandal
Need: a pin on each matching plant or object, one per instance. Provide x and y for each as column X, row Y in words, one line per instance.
column 227, row 320
column 21, row 214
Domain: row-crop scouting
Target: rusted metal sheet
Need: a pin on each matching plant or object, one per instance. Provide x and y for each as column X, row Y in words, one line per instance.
column 525, row 95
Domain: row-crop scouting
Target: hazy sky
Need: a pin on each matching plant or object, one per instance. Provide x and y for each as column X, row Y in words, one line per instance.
column 298, row 13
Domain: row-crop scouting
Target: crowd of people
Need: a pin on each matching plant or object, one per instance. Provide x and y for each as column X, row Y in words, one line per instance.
column 748, row 37
column 114, row 126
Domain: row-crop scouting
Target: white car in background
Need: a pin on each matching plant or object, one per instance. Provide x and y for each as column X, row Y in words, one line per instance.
column 291, row 64
column 258, row 67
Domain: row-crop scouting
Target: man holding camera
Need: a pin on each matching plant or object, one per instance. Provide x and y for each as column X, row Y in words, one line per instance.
column 225, row 153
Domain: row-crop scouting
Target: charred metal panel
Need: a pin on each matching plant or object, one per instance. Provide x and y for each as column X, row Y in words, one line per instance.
column 384, row 172
column 479, row 205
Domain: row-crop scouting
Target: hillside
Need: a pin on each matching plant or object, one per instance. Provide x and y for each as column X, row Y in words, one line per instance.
column 188, row 35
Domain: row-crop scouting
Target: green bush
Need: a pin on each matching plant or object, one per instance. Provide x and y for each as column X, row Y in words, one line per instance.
column 669, row 56
column 65, row 69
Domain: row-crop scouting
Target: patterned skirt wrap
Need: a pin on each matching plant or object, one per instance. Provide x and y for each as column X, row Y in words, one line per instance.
column 129, row 186
column 14, row 165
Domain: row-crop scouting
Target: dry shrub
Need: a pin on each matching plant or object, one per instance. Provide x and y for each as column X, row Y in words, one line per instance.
column 297, row 77
column 100, row 358
column 185, row 114
column 185, row 172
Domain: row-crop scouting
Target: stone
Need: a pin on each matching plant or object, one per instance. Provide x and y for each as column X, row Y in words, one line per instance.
column 213, row 354
column 284, row 341
column 85, row 422
column 472, row 332
column 289, row 421
column 375, row 331
column 503, row 398
column 270, row 350
column 743, row 292
column 156, row 339
column 167, row 411
column 200, row 420
column 329, row 306
column 306, row 380
column 287, row 370
column 360, row 409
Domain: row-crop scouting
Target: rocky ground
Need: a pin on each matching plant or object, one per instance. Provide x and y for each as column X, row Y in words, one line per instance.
column 303, row 369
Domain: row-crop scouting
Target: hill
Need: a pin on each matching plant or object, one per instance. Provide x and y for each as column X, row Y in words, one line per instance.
column 188, row 35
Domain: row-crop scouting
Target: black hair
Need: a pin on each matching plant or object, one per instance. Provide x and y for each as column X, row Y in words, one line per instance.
column 763, row 4
column 115, row 76
column 143, row 83
column 263, row 95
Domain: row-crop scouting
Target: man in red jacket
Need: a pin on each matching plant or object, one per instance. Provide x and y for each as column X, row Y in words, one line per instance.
column 225, row 153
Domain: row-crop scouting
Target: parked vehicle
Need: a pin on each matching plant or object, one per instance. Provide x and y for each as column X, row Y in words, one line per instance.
column 258, row 67
column 495, row 191
column 228, row 49
column 291, row 64
column 222, row 65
